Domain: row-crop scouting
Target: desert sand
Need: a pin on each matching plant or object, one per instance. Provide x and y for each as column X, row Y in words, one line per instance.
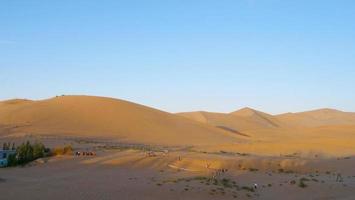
column 145, row 153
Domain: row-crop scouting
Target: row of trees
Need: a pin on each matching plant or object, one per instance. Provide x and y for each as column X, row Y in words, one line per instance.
column 27, row 152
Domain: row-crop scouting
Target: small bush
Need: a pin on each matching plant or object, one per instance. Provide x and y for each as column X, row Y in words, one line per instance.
column 11, row 160
column 250, row 189
column 226, row 183
column 302, row 183
column 66, row 150
column 253, row 169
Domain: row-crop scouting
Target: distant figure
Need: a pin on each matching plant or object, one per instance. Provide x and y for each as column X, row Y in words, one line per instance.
column 255, row 186
column 166, row 152
column 151, row 154
column 179, row 158
column 339, row 178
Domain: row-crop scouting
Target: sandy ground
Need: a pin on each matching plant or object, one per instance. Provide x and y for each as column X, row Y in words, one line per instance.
column 128, row 173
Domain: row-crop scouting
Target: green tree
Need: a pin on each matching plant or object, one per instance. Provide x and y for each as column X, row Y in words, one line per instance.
column 38, row 150
column 29, row 152
column 11, row 160
column 21, row 154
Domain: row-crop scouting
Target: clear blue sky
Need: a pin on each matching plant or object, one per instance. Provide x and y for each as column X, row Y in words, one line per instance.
column 182, row 55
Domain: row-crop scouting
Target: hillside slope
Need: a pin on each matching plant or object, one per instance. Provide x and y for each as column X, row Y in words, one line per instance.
column 106, row 117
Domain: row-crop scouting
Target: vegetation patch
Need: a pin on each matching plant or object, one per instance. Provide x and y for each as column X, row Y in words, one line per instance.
column 302, row 183
column 66, row 150
column 250, row 189
column 226, row 183
column 285, row 171
column 26, row 153
column 253, row 169
column 220, row 186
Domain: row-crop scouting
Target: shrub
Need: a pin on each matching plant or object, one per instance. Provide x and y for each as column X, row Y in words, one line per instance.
column 302, row 183
column 24, row 153
column 226, row 183
column 250, row 189
column 11, row 160
column 66, row 150
column 38, row 150
column 253, row 169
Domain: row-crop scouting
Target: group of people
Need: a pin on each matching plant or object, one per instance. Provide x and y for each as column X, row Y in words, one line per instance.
column 218, row 172
column 85, row 153
column 154, row 154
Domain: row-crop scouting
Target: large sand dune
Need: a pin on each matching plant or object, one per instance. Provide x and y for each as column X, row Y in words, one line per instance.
column 327, row 132
column 249, row 119
column 105, row 117
column 241, row 120
column 322, row 131
column 315, row 118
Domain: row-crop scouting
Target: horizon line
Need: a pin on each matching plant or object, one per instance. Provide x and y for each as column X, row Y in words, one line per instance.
column 191, row 111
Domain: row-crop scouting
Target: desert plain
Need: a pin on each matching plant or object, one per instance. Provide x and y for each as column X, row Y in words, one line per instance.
column 145, row 153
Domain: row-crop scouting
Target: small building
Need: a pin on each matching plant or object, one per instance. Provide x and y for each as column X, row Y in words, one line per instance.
column 4, row 155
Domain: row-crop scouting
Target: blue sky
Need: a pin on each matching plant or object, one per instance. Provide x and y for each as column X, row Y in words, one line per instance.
column 183, row 55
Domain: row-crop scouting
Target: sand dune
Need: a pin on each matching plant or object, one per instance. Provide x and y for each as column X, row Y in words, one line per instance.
column 257, row 117
column 315, row 118
column 327, row 132
column 106, row 117
column 249, row 131
column 249, row 119
column 241, row 120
